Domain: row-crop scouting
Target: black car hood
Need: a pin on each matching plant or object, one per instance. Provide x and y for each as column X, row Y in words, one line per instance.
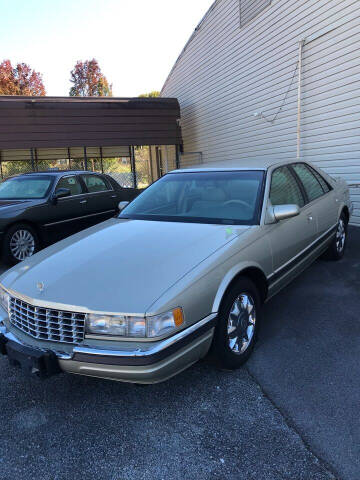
column 7, row 203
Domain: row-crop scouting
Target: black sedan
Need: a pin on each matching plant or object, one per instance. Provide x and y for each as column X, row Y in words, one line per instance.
column 37, row 209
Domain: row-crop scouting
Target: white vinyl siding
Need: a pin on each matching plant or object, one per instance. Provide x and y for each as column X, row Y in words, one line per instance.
column 250, row 8
column 227, row 74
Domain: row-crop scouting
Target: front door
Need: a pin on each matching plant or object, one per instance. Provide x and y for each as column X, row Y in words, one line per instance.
column 289, row 238
column 67, row 215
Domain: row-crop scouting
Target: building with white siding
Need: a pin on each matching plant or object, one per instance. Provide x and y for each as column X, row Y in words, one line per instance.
column 239, row 78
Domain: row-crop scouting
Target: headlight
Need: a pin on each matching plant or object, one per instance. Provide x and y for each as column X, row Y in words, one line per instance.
column 4, row 299
column 134, row 327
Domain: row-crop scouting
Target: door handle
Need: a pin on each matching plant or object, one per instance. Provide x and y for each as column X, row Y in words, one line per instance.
column 310, row 218
column 113, row 196
column 83, row 201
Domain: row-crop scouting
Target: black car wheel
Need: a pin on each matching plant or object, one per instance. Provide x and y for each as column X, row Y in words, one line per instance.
column 20, row 242
column 238, row 324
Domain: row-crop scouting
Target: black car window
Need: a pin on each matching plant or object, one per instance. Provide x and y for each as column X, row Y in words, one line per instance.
column 285, row 189
column 312, row 186
column 321, row 180
column 95, row 183
column 72, row 183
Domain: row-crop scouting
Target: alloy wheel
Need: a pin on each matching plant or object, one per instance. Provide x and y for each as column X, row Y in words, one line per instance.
column 340, row 236
column 241, row 323
column 22, row 244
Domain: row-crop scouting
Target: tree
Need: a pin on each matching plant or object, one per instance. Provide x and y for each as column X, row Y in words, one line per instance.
column 20, row 80
column 88, row 81
column 152, row 94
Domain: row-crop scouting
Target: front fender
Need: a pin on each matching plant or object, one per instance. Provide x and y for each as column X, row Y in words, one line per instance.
column 229, row 277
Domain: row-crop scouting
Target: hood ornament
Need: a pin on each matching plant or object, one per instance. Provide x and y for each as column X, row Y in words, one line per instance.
column 40, row 286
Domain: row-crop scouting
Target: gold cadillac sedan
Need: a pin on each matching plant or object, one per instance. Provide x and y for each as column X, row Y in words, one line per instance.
column 183, row 271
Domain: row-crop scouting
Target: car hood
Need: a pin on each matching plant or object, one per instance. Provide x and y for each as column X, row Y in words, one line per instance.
column 117, row 266
column 13, row 204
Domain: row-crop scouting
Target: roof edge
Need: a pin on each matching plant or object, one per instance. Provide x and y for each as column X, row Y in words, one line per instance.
column 192, row 36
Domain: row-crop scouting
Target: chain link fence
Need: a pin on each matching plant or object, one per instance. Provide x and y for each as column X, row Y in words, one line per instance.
column 120, row 168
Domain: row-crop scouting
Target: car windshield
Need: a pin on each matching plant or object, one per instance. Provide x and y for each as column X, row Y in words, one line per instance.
column 25, row 187
column 229, row 197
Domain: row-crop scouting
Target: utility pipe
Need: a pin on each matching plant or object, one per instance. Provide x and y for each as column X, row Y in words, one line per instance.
column 301, row 48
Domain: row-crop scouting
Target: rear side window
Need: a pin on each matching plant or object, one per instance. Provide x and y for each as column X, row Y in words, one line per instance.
column 311, row 184
column 72, row 183
column 94, row 183
column 320, row 179
column 285, row 189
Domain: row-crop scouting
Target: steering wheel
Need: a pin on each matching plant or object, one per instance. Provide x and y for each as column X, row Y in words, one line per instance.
column 245, row 204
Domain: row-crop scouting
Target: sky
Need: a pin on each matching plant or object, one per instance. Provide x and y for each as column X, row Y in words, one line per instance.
column 136, row 42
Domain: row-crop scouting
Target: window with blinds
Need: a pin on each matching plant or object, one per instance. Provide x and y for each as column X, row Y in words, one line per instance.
column 249, row 9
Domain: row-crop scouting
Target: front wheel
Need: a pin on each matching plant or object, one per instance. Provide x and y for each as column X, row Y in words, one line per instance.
column 238, row 324
column 20, row 242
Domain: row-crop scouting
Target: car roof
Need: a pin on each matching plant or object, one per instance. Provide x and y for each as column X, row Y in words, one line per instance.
column 228, row 165
column 57, row 173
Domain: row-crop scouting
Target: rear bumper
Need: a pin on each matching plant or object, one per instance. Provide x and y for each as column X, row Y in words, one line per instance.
column 152, row 364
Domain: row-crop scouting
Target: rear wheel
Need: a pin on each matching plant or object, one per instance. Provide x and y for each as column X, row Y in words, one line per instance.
column 238, row 324
column 337, row 247
column 20, row 242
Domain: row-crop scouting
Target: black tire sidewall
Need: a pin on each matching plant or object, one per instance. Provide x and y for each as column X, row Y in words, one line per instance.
column 221, row 351
column 7, row 254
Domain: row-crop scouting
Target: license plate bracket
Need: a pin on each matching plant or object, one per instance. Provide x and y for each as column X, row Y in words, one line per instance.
column 41, row 363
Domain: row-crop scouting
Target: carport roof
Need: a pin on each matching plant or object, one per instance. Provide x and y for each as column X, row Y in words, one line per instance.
column 50, row 122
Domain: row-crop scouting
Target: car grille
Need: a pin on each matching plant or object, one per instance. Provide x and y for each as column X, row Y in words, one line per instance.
column 46, row 323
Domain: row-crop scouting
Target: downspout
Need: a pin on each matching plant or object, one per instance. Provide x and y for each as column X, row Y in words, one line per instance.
column 301, row 48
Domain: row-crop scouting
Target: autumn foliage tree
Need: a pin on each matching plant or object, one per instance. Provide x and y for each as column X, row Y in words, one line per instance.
column 20, row 80
column 88, row 81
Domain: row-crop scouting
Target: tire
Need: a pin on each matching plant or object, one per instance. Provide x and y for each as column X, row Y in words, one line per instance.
column 231, row 350
column 337, row 247
column 20, row 241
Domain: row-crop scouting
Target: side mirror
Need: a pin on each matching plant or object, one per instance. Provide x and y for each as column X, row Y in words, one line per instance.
column 122, row 205
column 60, row 193
column 282, row 212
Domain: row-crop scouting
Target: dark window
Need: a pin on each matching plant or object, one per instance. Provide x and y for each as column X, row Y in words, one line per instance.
column 70, row 182
column 94, row 183
column 321, row 180
column 249, row 9
column 312, row 186
column 285, row 189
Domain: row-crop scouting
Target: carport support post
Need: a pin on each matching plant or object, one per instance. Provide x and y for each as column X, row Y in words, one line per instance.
column 85, row 159
column 32, row 159
column 69, row 158
column 1, row 170
column 177, row 159
column 133, row 165
column 101, row 160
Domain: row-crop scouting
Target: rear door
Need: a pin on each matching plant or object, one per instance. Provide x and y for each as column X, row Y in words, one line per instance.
column 320, row 196
column 102, row 199
column 289, row 238
column 67, row 215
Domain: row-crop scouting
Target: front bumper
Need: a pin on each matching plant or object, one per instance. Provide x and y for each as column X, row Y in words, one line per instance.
column 149, row 364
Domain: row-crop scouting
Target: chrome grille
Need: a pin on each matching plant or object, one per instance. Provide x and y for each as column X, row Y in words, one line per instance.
column 46, row 323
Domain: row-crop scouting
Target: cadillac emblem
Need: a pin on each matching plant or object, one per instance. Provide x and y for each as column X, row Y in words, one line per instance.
column 40, row 286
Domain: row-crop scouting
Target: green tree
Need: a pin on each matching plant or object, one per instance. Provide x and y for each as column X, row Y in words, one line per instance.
column 152, row 94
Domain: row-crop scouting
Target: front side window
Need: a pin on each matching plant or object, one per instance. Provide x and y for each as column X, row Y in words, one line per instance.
column 94, row 183
column 72, row 183
column 311, row 185
column 25, row 187
column 284, row 188
column 232, row 197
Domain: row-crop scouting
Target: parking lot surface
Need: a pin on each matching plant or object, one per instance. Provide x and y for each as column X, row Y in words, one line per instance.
column 292, row 413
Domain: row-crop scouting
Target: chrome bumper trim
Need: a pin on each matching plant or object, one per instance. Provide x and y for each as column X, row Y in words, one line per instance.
column 168, row 342
column 112, row 354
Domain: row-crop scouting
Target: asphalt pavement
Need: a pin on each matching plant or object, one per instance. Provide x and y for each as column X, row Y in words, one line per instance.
column 292, row 413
